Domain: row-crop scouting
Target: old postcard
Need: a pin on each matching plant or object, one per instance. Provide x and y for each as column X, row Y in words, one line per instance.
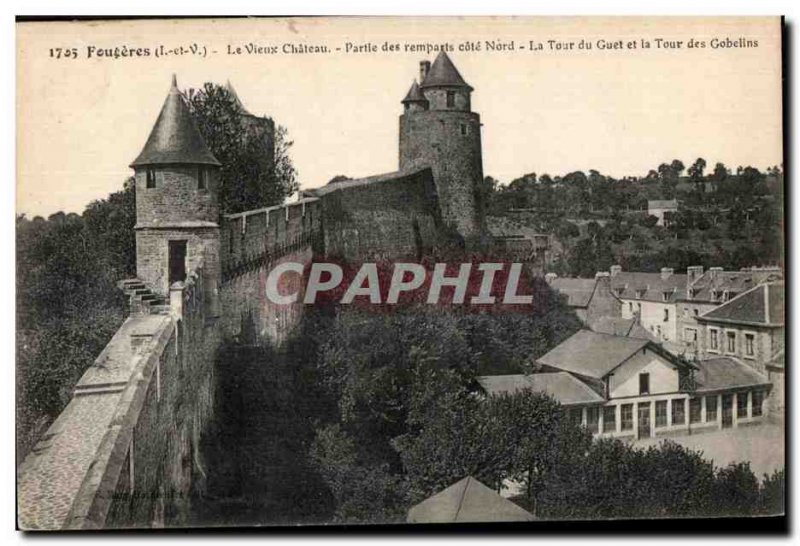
column 307, row 271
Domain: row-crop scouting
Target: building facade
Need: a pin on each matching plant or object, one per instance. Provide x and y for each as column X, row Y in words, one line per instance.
column 632, row 388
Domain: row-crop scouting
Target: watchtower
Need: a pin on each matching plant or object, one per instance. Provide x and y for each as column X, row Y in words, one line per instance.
column 439, row 130
column 177, row 202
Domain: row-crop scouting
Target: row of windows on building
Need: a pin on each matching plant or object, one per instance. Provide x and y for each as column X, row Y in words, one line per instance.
column 730, row 346
column 202, row 178
column 677, row 407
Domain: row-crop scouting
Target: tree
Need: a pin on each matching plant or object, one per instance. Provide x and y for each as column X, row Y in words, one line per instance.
column 696, row 170
column 252, row 174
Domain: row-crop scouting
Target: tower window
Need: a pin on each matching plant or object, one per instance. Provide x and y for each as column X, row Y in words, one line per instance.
column 464, row 129
column 201, row 179
column 451, row 99
column 151, row 178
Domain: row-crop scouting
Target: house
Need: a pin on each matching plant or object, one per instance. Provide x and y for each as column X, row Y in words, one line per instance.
column 662, row 209
column 589, row 298
column 633, row 388
column 749, row 329
column 652, row 297
column 707, row 290
column 667, row 304
column 466, row 501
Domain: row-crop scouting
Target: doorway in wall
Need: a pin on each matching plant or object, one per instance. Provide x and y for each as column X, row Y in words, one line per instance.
column 727, row 410
column 177, row 261
column 644, row 420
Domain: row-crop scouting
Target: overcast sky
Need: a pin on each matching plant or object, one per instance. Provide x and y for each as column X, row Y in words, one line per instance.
column 622, row 112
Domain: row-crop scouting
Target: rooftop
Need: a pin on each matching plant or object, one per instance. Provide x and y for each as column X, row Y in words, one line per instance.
column 175, row 138
column 649, row 286
column 578, row 291
column 443, row 73
column 762, row 305
column 467, row 500
column 726, row 373
column 592, row 354
column 618, row 326
column 414, row 94
column 564, row 387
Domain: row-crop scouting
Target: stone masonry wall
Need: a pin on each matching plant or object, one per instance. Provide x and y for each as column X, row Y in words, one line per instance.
column 252, row 243
column 449, row 142
column 124, row 451
column 385, row 217
column 152, row 253
column 176, row 196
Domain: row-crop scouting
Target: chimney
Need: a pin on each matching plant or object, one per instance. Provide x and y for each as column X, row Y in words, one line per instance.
column 602, row 275
column 615, row 269
column 424, row 67
column 666, row 273
column 712, row 272
column 693, row 272
column 550, row 277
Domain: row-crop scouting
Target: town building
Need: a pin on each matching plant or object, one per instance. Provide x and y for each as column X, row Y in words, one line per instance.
column 467, row 501
column 749, row 329
column 633, row 388
column 707, row 290
column 589, row 298
column 662, row 209
column 667, row 304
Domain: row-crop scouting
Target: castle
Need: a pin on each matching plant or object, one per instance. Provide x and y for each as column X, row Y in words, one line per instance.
column 432, row 198
column 124, row 452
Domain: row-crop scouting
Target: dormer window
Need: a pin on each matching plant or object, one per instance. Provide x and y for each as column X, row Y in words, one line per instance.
column 665, row 296
column 640, row 293
column 714, row 295
column 151, row 178
column 202, row 182
column 451, row 99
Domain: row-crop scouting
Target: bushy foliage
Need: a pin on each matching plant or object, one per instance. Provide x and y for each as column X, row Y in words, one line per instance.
column 725, row 219
column 68, row 306
column 252, row 174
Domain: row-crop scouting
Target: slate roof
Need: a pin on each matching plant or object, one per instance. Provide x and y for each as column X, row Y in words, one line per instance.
column 735, row 282
column 618, row 326
column 726, row 373
column 175, row 138
column 467, row 500
column 443, row 73
column 592, row 354
column 414, row 94
column 762, row 305
column 236, row 99
column 564, row 387
column 578, row 291
column 626, row 285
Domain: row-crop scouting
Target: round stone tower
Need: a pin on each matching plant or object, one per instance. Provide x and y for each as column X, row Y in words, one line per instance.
column 439, row 130
column 177, row 202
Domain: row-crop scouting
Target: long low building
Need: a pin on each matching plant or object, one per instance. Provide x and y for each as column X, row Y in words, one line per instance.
column 632, row 387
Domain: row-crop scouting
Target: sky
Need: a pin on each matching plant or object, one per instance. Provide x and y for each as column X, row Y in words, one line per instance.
column 80, row 122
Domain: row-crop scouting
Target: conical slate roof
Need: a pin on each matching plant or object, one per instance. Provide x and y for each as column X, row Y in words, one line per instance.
column 414, row 94
column 467, row 500
column 236, row 99
column 443, row 73
column 175, row 138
